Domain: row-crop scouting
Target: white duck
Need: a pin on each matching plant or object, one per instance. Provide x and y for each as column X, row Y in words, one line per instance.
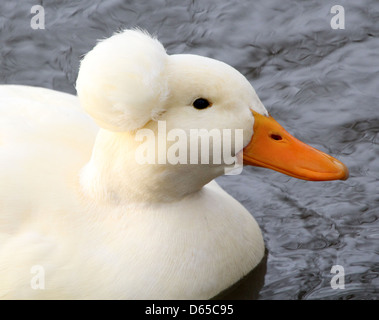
column 76, row 206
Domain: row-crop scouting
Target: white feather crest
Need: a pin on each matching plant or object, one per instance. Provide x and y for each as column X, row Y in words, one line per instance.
column 122, row 81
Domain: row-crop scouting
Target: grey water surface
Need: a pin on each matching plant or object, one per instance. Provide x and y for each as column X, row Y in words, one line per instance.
column 321, row 84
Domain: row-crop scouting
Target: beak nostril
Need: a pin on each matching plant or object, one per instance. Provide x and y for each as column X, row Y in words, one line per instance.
column 276, row 137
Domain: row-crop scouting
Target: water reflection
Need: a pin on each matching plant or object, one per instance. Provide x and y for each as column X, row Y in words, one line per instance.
column 249, row 287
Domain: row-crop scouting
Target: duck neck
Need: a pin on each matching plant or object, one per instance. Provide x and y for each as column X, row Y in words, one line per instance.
column 113, row 175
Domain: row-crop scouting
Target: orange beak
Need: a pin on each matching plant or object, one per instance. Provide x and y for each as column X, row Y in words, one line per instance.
column 273, row 147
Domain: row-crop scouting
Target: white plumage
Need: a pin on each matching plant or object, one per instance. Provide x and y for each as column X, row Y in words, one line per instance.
column 74, row 201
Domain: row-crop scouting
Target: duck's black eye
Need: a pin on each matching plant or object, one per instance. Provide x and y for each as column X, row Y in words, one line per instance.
column 201, row 103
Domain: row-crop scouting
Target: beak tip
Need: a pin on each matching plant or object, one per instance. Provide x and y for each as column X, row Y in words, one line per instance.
column 344, row 171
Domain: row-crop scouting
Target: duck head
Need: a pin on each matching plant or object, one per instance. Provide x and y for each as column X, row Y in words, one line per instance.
column 131, row 86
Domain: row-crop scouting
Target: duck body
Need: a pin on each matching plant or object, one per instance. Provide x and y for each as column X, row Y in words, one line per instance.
column 187, row 249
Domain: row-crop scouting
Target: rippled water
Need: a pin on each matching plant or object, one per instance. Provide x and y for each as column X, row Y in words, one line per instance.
column 321, row 84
